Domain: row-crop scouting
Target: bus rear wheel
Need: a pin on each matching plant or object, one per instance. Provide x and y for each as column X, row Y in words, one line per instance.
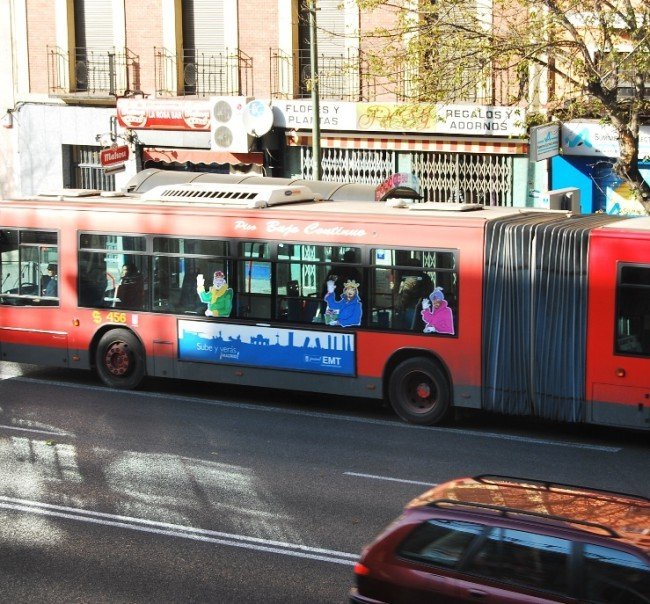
column 419, row 392
column 120, row 360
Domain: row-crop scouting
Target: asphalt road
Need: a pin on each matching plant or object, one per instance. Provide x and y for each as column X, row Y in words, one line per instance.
column 186, row 492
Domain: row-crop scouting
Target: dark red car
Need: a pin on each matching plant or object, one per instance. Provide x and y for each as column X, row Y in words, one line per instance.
column 504, row 539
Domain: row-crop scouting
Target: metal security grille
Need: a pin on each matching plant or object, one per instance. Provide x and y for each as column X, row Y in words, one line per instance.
column 87, row 170
column 362, row 166
column 485, row 179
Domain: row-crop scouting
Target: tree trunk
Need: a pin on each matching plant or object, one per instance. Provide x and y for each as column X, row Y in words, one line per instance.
column 627, row 167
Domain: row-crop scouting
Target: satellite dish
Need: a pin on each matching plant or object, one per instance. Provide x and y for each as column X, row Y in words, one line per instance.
column 258, row 118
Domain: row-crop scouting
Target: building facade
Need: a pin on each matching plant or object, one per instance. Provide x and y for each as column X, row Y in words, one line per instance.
column 225, row 85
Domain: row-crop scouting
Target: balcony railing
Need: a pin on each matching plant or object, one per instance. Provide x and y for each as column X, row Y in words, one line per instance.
column 92, row 72
column 341, row 77
column 348, row 77
column 203, row 73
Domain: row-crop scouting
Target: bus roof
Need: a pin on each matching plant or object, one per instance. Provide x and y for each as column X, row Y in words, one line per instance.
column 636, row 223
column 200, row 196
column 271, row 198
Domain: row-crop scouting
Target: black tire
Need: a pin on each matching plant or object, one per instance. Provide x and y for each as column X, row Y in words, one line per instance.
column 419, row 392
column 120, row 360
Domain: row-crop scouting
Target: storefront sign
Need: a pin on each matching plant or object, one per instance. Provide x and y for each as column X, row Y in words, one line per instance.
column 420, row 118
column 597, row 140
column 334, row 115
column 113, row 156
column 156, row 114
column 429, row 118
column 441, row 119
column 544, row 142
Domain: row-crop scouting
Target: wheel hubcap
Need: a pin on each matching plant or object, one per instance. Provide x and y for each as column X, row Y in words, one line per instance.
column 117, row 359
column 423, row 390
column 422, row 393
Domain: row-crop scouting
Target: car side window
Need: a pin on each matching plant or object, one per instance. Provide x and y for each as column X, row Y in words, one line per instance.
column 527, row 559
column 440, row 542
column 612, row 575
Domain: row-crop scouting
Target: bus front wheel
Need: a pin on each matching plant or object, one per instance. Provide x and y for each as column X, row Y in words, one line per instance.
column 419, row 392
column 120, row 359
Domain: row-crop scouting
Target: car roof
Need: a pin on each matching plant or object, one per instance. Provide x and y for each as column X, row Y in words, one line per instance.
column 618, row 515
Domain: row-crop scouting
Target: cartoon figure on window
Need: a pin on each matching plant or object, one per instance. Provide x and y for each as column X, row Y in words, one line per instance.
column 218, row 297
column 346, row 311
column 436, row 314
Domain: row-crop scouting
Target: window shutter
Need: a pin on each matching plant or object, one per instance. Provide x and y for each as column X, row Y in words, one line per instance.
column 203, row 25
column 94, row 24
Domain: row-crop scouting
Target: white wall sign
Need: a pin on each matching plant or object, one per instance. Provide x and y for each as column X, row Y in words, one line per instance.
column 598, row 140
column 421, row 118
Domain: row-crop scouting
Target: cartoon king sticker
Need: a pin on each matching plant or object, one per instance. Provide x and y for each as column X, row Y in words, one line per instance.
column 218, row 297
column 437, row 316
column 346, row 311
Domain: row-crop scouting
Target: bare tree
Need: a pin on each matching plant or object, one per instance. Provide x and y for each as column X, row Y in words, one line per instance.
column 566, row 59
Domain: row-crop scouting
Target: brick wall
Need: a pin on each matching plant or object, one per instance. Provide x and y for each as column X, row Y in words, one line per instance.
column 258, row 33
column 143, row 33
column 382, row 17
column 40, row 35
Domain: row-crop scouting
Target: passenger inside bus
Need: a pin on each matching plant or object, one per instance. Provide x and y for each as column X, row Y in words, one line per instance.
column 130, row 291
column 51, row 281
column 412, row 288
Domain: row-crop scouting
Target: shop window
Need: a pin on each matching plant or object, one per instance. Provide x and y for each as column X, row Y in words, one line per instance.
column 85, row 169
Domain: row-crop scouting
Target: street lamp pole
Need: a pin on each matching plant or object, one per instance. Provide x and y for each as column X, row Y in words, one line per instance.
column 315, row 102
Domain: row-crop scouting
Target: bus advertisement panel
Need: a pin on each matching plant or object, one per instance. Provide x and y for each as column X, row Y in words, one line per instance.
column 261, row 346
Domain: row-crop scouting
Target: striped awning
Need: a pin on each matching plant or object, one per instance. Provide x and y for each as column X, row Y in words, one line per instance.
column 412, row 143
column 197, row 156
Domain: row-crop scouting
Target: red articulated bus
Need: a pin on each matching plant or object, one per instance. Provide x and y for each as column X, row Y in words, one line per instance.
column 522, row 312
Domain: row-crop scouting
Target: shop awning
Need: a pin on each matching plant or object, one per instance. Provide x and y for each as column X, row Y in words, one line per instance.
column 162, row 155
column 411, row 143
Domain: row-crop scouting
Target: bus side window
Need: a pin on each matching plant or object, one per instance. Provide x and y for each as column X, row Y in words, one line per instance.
column 188, row 301
column 402, row 286
column 253, row 293
column 633, row 311
column 381, row 298
column 25, row 258
column 93, row 280
column 254, row 290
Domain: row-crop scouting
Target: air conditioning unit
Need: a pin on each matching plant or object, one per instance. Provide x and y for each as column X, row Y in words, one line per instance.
column 227, row 128
column 567, row 199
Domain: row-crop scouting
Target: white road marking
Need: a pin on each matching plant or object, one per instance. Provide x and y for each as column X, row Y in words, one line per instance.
column 175, row 530
column 373, row 476
column 332, row 416
column 49, row 432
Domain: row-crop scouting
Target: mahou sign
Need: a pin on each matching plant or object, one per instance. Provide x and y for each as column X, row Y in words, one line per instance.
column 113, row 156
